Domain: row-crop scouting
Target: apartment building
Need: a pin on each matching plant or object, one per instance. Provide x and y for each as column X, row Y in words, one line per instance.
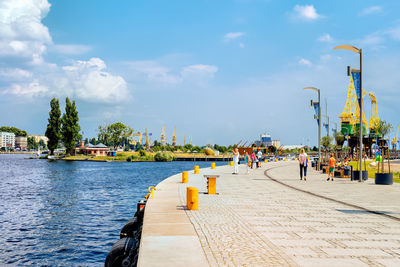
column 7, row 140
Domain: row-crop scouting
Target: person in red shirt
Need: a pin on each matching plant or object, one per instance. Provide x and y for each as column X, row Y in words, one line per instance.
column 332, row 164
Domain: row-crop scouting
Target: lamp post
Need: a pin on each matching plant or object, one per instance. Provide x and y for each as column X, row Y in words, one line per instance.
column 319, row 119
column 358, row 51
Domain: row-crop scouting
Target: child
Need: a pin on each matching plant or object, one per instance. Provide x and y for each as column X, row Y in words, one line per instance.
column 247, row 161
column 332, row 164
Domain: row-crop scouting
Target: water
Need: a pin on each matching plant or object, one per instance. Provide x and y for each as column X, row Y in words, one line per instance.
column 70, row 213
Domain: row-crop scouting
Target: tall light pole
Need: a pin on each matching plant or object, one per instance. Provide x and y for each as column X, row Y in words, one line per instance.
column 358, row 51
column 319, row 120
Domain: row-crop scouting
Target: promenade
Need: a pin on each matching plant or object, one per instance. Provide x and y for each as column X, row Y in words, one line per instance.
column 271, row 218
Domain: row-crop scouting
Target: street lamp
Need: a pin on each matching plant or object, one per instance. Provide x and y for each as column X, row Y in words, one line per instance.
column 319, row 119
column 358, row 51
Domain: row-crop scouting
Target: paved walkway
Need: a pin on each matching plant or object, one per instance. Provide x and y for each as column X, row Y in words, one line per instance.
column 271, row 218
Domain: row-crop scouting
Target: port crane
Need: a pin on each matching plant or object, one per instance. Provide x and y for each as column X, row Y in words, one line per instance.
column 174, row 137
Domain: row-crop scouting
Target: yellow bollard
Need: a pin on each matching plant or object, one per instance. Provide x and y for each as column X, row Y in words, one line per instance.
column 265, row 160
column 213, row 165
column 231, row 163
column 192, row 198
column 212, row 185
column 185, row 177
column 196, row 169
column 276, row 160
column 285, row 159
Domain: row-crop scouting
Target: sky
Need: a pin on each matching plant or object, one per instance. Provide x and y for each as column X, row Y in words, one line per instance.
column 220, row 71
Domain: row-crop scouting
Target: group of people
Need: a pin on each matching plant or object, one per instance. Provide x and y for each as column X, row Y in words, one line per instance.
column 250, row 160
column 303, row 161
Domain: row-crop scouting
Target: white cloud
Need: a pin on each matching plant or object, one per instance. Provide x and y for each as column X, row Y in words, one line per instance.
column 305, row 62
column 371, row 10
column 241, row 45
column 199, row 71
column 12, row 74
column 394, row 33
column 154, row 72
column 91, row 82
column 232, row 36
column 307, row 12
column 325, row 38
column 27, row 89
column 71, row 49
column 22, row 35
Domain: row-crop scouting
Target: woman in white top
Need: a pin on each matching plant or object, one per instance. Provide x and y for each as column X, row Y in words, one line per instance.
column 236, row 160
column 303, row 160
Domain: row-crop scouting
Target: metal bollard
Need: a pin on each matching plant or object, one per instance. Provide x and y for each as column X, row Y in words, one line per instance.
column 213, row 165
column 196, row 169
column 265, row 160
column 212, row 185
column 276, row 160
column 185, row 177
column 231, row 163
column 192, row 198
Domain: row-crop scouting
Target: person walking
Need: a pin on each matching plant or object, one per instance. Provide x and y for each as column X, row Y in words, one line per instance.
column 253, row 158
column 303, row 160
column 259, row 157
column 332, row 164
column 247, row 161
column 236, row 160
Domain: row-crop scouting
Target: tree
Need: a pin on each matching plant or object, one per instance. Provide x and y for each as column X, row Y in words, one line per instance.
column 384, row 128
column 326, row 141
column 272, row 149
column 93, row 141
column 70, row 127
column 115, row 134
column 54, row 125
column 14, row 130
column 32, row 144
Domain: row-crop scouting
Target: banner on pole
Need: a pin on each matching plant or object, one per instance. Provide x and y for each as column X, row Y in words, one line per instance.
column 316, row 108
column 357, row 85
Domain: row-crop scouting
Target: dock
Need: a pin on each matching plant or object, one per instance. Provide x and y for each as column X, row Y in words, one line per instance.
column 270, row 218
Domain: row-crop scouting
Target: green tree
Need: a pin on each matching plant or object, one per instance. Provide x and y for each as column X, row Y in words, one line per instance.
column 70, row 127
column 32, row 144
column 326, row 141
column 54, row 125
column 93, row 141
column 119, row 132
column 14, row 130
column 384, row 128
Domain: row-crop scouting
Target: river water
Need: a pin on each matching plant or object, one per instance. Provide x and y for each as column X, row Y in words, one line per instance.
column 70, row 213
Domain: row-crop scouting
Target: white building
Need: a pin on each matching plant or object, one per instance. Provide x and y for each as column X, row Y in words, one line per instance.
column 7, row 140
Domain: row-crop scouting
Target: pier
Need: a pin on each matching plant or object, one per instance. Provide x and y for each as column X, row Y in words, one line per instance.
column 270, row 217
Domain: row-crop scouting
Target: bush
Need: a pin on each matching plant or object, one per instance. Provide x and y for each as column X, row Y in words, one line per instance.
column 142, row 153
column 131, row 158
column 164, row 156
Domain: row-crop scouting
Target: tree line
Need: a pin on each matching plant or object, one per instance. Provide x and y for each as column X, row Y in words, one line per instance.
column 63, row 128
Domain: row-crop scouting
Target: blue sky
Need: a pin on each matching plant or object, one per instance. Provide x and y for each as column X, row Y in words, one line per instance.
column 220, row 71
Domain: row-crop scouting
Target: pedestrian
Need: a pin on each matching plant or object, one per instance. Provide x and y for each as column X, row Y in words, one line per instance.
column 247, row 161
column 259, row 157
column 332, row 164
column 236, row 160
column 303, row 160
column 253, row 158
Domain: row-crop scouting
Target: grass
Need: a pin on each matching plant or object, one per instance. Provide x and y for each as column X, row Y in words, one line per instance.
column 373, row 169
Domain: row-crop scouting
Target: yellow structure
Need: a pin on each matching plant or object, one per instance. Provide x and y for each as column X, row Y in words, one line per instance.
column 196, row 169
column 351, row 112
column 139, row 135
column 231, row 163
column 374, row 120
column 213, row 165
column 212, row 185
column 192, row 198
column 190, row 140
column 394, row 140
column 185, row 177
column 174, row 137
column 265, row 160
column 147, row 139
column 151, row 190
column 162, row 138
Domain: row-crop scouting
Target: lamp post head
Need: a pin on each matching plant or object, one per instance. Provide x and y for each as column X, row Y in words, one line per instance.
column 348, row 47
column 311, row 88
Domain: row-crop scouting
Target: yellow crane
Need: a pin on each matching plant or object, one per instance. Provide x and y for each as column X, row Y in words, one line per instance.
column 174, row 137
column 190, row 140
column 162, row 139
column 374, row 120
column 139, row 135
column 394, row 140
column 147, row 139
column 350, row 114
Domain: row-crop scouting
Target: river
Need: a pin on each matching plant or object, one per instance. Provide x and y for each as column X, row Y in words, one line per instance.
column 70, row 213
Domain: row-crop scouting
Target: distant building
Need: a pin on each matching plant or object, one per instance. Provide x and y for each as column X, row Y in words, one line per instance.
column 21, row 142
column 266, row 140
column 40, row 137
column 7, row 140
column 94, row 150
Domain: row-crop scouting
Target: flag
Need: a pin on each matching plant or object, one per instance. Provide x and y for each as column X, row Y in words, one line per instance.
column 357, row 85
column 316, row 108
